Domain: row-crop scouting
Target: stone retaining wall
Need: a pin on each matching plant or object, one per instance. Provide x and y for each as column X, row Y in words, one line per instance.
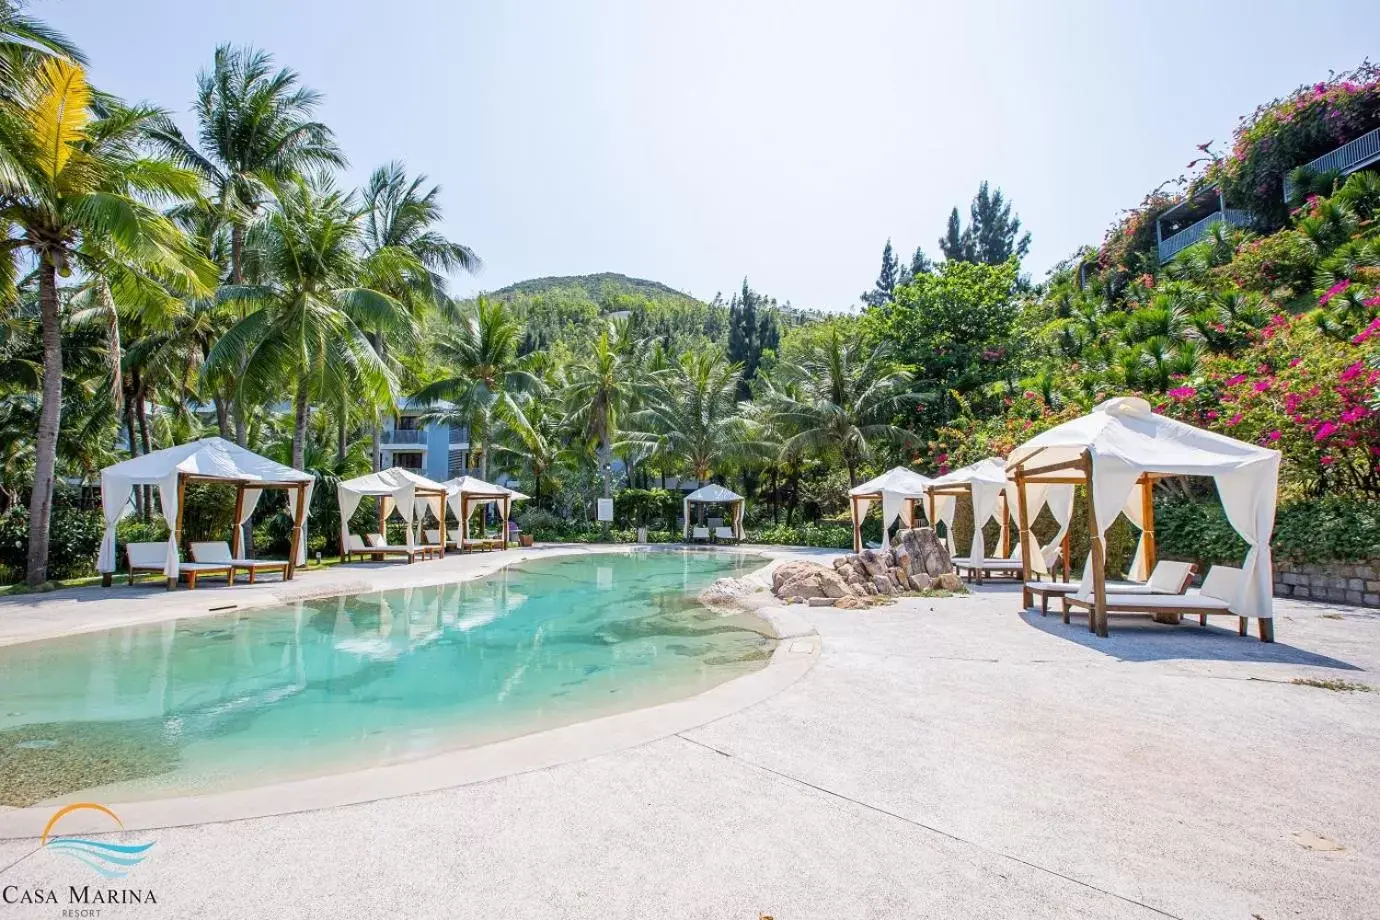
column 1346, row 583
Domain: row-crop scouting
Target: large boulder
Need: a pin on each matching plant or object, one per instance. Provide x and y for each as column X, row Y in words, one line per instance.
column 948, row 581
column 725, row 591
column 792, row 571
column 806, row 587
column 873, row 562
column 812, row 580
column 920, row 581
column 925, row 551
column 832, row 585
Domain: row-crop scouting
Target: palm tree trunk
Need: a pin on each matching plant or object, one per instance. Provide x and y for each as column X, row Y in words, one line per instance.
column 141, row 416
column 237, row 277
column 49, row 418
column 606, row 465
column 301, row 416
column 222, row 418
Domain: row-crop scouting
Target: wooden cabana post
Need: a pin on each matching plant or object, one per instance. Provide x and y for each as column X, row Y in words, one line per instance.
column 1097, row 622
column 298, row 517
column 1023, row 515
column 177, row 526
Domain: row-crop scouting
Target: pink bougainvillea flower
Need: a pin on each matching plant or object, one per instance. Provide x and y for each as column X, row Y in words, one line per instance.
column 1325, row 431
column 1234, row 420
column 1325, row 459
column 1236, row 380
column 1262, row 386
column 1352, row 371
column 1333, row 292
column 1274, row 435
column 1211, row 414
column 1182, row 393
column 1295, row 362
column 1355, row 414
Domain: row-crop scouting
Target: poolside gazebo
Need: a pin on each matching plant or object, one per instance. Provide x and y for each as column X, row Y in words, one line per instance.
column 206, row 460
column 1117, row 452
column 985, row 483
column 465, row 493
column 714, row 494
column 411, row 494
column 898, row 489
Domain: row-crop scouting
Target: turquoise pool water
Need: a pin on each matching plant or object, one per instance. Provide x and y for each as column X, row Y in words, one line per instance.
column 230, row 701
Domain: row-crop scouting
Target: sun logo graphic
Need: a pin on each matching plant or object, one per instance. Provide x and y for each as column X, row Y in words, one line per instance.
column 110, row 860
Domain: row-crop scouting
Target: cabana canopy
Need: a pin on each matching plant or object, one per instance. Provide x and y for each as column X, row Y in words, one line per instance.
column 985, row 481
column 1120, row 444
column 409, row 492
column 898, row 489
column 206, row 460
column 464, row 493
column 716, row 494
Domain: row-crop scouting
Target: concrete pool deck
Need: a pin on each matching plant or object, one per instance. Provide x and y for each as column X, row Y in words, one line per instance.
column 945, row 757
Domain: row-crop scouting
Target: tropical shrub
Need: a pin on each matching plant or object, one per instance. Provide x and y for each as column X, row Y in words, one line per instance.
column 75, row 538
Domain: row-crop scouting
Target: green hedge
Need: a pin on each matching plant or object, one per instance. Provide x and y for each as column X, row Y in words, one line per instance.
column 832, row 536
column 1330, row 529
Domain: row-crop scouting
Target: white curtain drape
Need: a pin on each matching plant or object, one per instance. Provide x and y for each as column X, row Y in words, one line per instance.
column 115, row 494
column 167, row 494
column 893, row 503
column 292, row 510
column 251, row 501
column 686, row 508
column 738, row 508
column 944, row 508
column 1248, row 497
column 984, row 506
column 348, row 501
column 1059, row 499
column 859, row 513
column 1134, row 511
column 1034, row 500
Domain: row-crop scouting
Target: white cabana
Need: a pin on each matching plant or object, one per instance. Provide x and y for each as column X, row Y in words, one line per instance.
column 411, row 494
column 206, row 460
column 1122, row 444
column 714, row 494
column 985, row 482
column 898, row 489
column 465, row 493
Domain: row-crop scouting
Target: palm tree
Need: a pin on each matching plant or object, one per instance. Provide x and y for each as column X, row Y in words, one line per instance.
column 486, row 376
column 842, row 399
column 77, row 190
column 401, row 216
column 602, row 387
column 302, row 333
column 692, row 415
column 254, row 131
column 536, row 441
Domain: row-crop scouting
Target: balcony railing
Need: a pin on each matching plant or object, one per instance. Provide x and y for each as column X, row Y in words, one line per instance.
column 1346, row 159
column 1194, row 232
column 404, row 436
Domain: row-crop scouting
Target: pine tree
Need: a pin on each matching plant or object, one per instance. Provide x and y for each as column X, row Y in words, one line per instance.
column 887, row 279
column 751, row 328
column 920, row 263
column 993, row 234
column 956, row 243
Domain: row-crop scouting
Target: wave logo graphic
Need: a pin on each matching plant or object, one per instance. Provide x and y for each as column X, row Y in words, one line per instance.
column 109, row 860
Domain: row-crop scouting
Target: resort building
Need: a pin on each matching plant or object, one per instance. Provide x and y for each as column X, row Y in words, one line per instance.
column 1349, row 158
column 436, row 450
column 1190, row 220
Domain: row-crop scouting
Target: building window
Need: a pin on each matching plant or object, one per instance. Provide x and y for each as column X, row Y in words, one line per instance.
column 408, row 460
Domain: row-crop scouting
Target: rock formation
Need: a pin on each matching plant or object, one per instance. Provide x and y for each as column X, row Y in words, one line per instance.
column 918, row 562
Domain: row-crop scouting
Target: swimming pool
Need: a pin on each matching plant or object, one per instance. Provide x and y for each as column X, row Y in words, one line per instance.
column 233, row 701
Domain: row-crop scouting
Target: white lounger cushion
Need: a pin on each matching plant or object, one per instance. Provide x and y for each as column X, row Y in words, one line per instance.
column 219, row 551
column 723, row 533
column 147, row 555
column 1169, row 577
column 700, row 533
column 433, row 537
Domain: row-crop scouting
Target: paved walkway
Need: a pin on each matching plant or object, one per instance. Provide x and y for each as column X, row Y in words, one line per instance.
column 946, row 758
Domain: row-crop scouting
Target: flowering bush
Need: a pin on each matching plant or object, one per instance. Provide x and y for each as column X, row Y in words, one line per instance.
column 1289, row 132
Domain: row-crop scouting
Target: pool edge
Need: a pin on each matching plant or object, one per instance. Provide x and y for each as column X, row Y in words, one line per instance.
column 797, row 650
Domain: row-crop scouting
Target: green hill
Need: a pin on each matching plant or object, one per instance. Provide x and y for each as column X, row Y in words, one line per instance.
column 601, row 287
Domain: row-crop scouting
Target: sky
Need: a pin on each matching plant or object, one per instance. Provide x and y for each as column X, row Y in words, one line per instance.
column 697, row 144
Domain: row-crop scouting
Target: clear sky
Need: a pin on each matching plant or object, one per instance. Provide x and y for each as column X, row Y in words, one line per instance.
column 698, row 143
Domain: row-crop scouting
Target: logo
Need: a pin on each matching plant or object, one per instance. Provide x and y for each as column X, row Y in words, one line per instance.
column 109, row 860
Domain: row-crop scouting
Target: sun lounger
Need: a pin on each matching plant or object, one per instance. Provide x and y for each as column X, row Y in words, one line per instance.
column 218, row 552
column 411, row 553
column 149, row 557
column 699, row 534
column 1214, row 597
column 1168, row 577
column 724, row 535
column 433, row 538
column 988, row 567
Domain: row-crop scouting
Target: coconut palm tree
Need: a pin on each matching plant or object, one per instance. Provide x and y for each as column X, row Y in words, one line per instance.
column 77, row 194
column 602, row 387
column 254, row 130
column 486, row 378
column 692, row 414
column 401, row 215
column 841, row 399
column 302, row 331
